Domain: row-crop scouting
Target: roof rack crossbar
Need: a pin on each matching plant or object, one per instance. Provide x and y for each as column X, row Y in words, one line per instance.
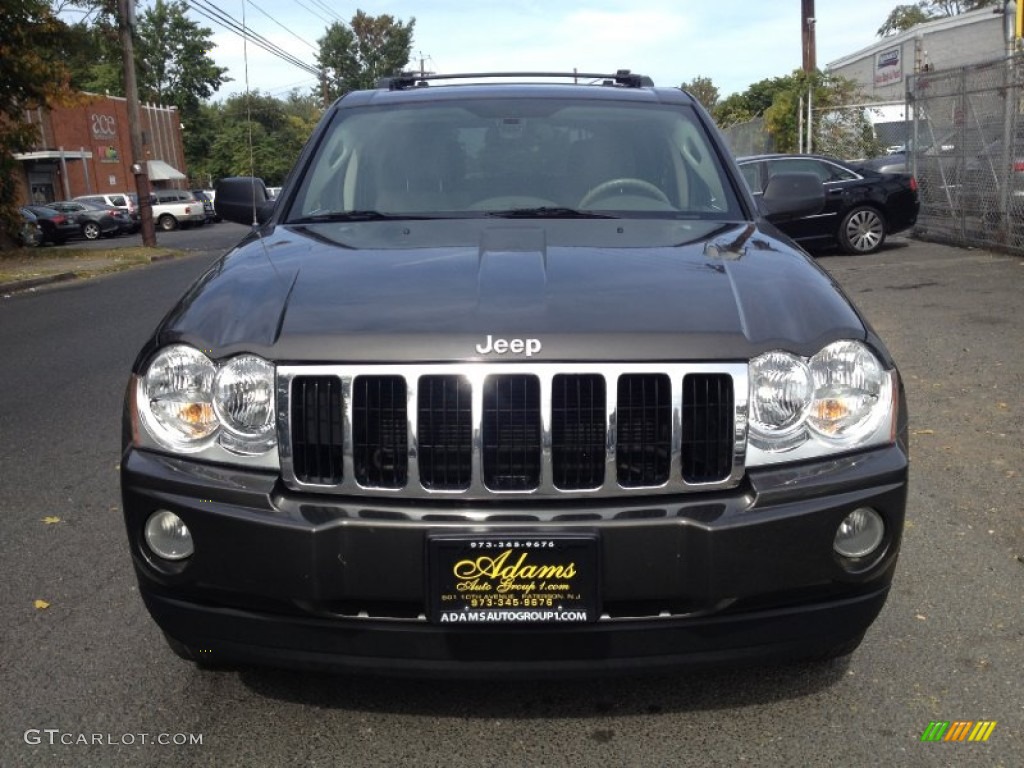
column 622, row 77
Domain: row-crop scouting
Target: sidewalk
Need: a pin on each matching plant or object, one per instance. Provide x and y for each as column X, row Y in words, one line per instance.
column 33, row 267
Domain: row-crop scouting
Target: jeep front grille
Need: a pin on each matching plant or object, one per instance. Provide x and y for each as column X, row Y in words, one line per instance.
column 487, row 430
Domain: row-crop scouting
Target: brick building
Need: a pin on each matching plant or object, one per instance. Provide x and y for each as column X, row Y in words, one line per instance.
column 86, row 149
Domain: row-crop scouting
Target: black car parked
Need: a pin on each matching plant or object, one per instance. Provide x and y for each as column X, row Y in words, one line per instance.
column 514, row 379
column 30, row 233
column 862, row 206
column 95, row 220
column 57, row 227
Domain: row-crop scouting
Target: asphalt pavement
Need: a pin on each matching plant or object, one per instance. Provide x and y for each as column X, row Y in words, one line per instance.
column 87, row 680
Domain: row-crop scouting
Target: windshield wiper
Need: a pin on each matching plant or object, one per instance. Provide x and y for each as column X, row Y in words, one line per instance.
column 327, row 216
column 547, row 212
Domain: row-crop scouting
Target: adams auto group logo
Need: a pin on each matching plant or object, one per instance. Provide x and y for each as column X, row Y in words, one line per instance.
column 958, row 730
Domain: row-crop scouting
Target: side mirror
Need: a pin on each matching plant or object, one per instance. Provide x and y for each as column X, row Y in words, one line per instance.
column 242, row 199
column 792, row 195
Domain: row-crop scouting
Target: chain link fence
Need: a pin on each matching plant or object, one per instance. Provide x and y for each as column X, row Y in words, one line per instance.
column 967, row 152
column 853, row 132
column 749, row 138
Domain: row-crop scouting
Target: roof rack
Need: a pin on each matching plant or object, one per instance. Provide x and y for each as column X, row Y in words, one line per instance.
column 622, row 77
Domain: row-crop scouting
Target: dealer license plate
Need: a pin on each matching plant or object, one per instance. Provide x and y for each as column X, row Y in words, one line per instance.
column 517, row 579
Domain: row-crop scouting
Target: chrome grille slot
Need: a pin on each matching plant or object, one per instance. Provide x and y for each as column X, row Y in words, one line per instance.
column 514, row 430
column 316, row 424
column 445, row 432
column 644, row 437
column 379, row 431
column 578, row 431
column 707, row 427
column 511, row 432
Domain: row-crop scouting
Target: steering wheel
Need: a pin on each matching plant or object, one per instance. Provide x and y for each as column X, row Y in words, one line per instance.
column 606, row 188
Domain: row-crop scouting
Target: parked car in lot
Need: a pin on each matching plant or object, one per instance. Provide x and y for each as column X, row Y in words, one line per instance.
column 173, row 208
column 95, row 220
column 30, row 234
column 862, row 206
column 516, row 380
column 207, row 203
column 57, row 227
column 126, row 201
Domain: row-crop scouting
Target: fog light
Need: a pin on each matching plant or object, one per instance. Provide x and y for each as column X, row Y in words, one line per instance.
column 168, row 536
column 860, row 533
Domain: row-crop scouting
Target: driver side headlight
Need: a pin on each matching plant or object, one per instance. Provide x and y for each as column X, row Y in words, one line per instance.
column 840, row 399
column 187, row 403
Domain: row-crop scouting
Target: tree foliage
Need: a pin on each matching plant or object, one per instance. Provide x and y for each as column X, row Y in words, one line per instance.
column 31, row 75
column 703, row 90
column 741, row 107
column 905, row 16
column 356, row 55
column 835, row 124
column 257, row 134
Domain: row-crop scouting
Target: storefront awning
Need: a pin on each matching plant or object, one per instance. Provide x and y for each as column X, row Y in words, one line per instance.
column 161, row 171
column 53, row 154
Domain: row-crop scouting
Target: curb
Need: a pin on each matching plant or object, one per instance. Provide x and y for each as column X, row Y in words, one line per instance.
column 35, row 282
column 61, row 277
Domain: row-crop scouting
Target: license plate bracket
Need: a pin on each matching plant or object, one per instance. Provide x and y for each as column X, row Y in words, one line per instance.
column 520, row 578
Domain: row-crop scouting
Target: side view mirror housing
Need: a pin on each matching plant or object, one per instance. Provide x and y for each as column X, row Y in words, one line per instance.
column 792, row 195
column 243, row 200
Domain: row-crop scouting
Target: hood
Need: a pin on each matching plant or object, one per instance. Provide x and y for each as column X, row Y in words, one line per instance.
column 434, row 291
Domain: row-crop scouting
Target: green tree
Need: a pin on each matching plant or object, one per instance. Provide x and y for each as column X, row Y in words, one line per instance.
column 903, row 17
column 32, row 74
column 355, row 56
column 835, row 125
column 174, row 65
column 257, row 134
column 741, row 107
column 703, row 90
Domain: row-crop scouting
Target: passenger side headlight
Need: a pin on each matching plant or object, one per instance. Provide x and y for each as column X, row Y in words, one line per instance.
column 841, row 399
column 187, row 403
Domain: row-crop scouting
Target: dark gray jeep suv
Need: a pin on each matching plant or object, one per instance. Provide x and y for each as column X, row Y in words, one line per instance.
column 514, row 378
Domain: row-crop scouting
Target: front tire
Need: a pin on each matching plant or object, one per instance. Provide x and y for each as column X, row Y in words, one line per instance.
column 91, row 230
column 862, row 230
column 167, row 222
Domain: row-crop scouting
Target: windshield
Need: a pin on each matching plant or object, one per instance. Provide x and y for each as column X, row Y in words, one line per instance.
column 549, row 158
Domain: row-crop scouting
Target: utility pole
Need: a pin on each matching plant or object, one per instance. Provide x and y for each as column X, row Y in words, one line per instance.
column 807, row 20
column 126, row 28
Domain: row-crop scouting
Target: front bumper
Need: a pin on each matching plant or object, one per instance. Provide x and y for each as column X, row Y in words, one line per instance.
column 299, row 580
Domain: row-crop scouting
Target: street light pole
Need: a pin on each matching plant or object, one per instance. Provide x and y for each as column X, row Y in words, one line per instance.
column 126, row 28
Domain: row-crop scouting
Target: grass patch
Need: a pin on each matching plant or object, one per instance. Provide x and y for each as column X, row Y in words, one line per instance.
column 28, row 263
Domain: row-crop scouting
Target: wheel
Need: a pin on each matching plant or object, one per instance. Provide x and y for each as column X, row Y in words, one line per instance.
column 606, row 188
column 91, row 230
column 862, row 230
column 167, row 222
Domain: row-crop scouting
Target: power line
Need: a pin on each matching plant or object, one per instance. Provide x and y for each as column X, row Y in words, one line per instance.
column 321, row 4
column 315, row 13
column 282, row 26
column 225, row 20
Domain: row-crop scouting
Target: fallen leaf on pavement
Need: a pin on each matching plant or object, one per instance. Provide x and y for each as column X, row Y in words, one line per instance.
column 42, row 605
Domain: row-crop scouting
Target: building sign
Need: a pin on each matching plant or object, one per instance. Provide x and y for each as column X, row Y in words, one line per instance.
column 108, row 154
column 889, row 67
column 104, row 127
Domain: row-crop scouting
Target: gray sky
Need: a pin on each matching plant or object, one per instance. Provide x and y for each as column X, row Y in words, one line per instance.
column 734, row 42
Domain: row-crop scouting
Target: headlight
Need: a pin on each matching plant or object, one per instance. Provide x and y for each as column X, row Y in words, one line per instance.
column 840, row 399
column 243, row 399
column 186, row 403
column 176, row 396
